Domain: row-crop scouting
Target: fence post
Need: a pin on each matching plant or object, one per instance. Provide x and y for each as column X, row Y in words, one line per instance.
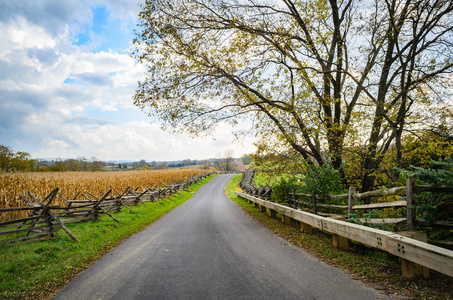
column 294, row 198
column 410, row 183
column 351, row 201
column 314, row 203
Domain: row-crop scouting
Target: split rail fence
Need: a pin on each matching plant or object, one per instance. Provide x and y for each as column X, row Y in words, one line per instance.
column 347, row 205
column 45, row 219
column 349, row 210
column 247, row 185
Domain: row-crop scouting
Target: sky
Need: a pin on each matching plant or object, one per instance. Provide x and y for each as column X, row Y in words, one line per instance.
column 67, row 81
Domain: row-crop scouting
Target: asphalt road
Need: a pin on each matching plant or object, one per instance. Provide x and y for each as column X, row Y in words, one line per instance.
column 209, row 248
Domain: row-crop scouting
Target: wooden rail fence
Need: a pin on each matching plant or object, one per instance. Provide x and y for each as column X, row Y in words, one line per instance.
column 352, row 198
column 249, row 187
column 44, row 219
column 41, row 223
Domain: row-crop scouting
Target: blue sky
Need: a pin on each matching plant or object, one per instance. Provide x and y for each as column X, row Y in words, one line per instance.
column 67, row 81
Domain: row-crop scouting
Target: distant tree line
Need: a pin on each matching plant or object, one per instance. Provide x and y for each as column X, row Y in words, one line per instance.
column 246, row 159
column 79, row 164
column 184, row 163
column 11, row 161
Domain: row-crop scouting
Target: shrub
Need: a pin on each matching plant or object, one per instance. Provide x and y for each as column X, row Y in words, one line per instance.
column 281, row 191
column 313, row 179
column 321, row 180
column 433, row 206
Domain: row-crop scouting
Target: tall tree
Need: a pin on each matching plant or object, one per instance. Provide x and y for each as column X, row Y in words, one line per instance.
column 313, row 74
column 246, row 159
column 15, row 161
column 225, row 161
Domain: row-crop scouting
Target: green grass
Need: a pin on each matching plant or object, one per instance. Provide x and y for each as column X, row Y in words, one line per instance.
column 370, row 266
column 263, row 179
column 38, row 269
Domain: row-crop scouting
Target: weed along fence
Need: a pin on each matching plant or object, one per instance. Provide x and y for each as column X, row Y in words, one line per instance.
column 417, row 256
column 45, row 219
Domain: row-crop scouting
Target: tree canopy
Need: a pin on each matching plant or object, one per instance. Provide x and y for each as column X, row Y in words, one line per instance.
column 319, row 77
column 15, row 161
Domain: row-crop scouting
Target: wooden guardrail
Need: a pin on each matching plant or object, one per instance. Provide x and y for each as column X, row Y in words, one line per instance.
column 408, row 249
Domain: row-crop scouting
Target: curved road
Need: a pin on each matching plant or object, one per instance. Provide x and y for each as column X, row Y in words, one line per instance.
column 209, row 248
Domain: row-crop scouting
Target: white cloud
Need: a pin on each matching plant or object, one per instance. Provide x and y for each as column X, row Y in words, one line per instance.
column 122, row 9
column 134, row 141
column 62, row 100
column 51, row 15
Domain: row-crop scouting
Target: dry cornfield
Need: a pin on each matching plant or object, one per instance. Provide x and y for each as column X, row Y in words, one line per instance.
column 70, row 183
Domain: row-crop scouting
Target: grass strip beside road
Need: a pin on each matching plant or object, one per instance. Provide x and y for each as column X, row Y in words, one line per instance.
column 36, row 270
column 378, row 269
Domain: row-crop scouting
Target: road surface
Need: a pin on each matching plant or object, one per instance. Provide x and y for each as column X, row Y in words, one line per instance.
column 209, row 248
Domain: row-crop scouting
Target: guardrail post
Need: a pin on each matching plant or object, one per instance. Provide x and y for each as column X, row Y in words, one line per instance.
column 286, row 219
column 340, row 242
column 305, row 228
column 410, row 269
column 263, row 208
column 351, row 201
column 273, row 213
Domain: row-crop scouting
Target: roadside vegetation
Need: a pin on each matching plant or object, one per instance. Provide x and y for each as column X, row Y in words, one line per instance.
column 37, row 270
column 435, row 209
column 379, row 270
